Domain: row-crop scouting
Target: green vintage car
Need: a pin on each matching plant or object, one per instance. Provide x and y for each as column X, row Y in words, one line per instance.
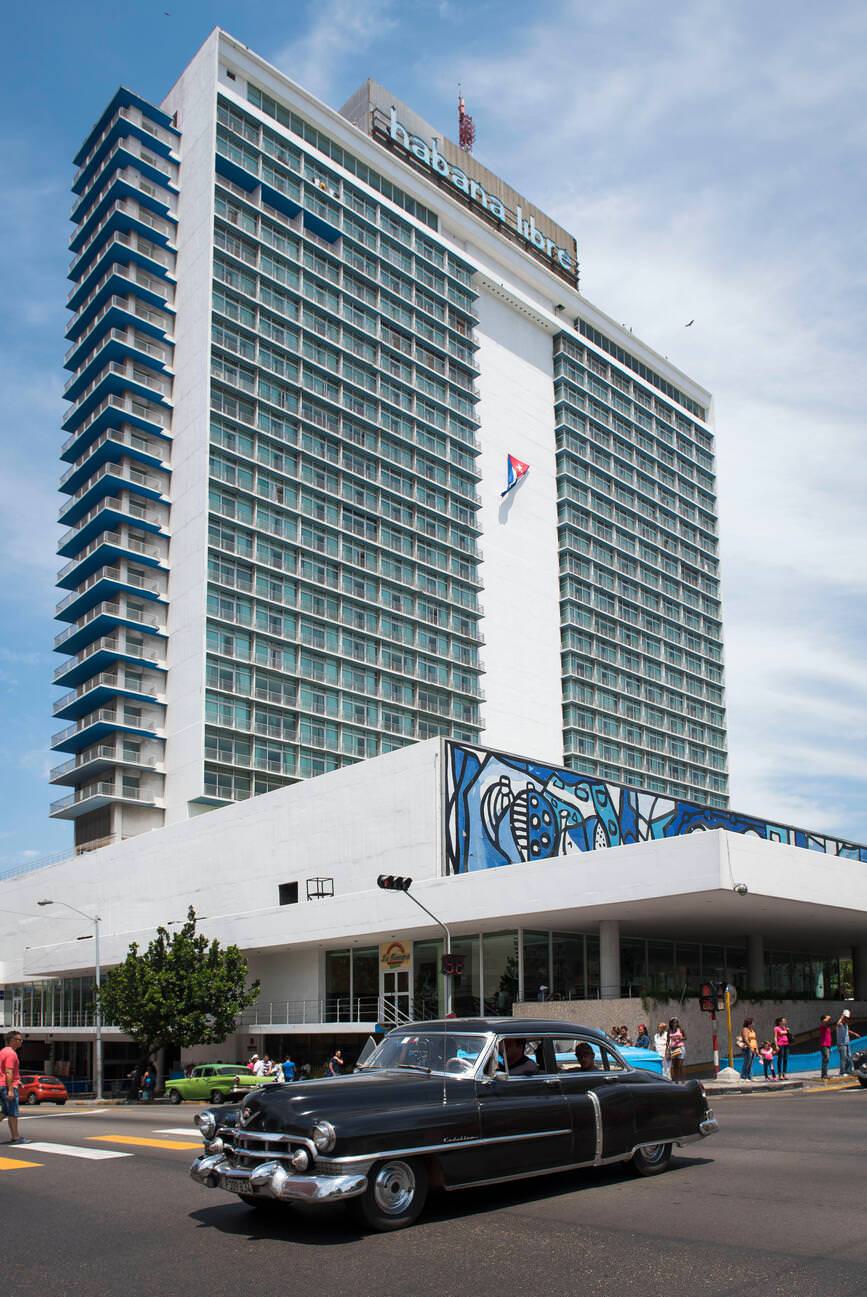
column 213, row 1082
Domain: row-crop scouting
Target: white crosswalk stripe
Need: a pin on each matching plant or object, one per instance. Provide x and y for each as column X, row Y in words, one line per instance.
column 190, row 1131
column 71, row 1150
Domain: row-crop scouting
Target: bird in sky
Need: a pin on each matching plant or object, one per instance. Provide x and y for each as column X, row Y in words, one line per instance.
column 689, row 326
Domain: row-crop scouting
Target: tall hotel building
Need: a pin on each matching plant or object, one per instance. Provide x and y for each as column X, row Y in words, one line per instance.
column 302, row 344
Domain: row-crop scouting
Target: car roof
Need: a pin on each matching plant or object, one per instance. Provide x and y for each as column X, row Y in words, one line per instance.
column 507, row 1027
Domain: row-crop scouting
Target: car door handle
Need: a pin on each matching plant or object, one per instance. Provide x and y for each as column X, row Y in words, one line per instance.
column 552, row 1083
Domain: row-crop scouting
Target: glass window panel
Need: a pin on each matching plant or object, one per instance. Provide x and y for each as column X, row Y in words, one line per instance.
column 501, row 972
column 633, row 972
column 567, row 966
column 365, row 981
column 466, row 988
column 592, row 966
column 537, row 980
column 428, row 981
column 336, row 984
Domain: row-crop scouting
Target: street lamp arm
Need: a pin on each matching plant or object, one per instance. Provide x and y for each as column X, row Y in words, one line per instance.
column 439, row 922
column 92, row 918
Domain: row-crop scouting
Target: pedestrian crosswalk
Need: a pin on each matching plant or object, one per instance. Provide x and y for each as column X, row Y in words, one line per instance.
column 19, row 1157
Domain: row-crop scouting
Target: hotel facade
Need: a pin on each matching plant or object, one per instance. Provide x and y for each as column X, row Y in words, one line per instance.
column 303, row 344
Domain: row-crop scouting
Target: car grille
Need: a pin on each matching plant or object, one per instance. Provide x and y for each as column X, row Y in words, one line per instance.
column 247, row 1149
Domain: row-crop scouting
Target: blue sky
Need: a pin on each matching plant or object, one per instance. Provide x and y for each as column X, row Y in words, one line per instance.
column 709, row 158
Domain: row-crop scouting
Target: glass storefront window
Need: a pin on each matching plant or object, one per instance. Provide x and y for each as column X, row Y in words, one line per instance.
column 660, row 965
column 633, row 965
column 501, row 972
column 687, row 965
column 536, row 971
column 365, row 982
column 567, row 966
column 337, row 992
column 592, row 966
column 428, row 999
column 466, row 989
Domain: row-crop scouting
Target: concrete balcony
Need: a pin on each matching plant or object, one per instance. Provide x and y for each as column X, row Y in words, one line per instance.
column 91, row 797
column 102, row 757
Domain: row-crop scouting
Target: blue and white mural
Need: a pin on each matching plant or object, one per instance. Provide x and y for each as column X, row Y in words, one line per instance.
column 502, row 809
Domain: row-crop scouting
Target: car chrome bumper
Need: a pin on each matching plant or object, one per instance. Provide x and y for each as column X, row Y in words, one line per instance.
column 707, row 1126
column 272, row 1180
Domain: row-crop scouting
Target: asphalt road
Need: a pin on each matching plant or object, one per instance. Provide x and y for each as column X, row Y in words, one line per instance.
column 774, row 1205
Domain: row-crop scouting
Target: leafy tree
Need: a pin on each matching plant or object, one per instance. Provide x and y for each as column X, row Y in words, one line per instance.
column 183, row 990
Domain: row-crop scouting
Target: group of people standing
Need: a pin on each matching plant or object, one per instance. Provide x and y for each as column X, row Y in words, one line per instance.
column 774, row 1052
column 288, row 1071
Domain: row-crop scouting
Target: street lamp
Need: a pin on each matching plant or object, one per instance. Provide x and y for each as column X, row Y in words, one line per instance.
column 97, row 1015
column 393, row 883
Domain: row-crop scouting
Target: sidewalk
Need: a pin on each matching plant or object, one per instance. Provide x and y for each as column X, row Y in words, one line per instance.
column 803, row 1081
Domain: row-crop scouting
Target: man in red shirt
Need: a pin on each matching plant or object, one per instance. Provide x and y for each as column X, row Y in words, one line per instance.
column 10, row 1081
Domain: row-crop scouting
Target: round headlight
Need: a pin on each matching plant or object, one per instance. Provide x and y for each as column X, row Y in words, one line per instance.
column 324, row 1136
column 206, row 1122
column 300, row 1160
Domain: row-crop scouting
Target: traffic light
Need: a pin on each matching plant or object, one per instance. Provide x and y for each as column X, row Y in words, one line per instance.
column 707, row 997
column 393, row 883
column 452, row 965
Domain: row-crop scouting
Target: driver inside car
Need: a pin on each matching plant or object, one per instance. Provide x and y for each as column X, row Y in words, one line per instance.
column 517, row 1060
column 585, row 1056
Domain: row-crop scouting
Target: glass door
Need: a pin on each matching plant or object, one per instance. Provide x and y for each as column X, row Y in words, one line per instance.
column 395, row 997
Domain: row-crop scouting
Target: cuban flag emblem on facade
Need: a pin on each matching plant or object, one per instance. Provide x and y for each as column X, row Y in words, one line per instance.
column 515, row 470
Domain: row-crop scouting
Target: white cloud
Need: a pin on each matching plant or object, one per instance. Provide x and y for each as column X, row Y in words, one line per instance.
column 341, row 30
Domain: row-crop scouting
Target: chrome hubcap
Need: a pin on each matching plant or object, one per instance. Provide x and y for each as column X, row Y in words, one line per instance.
column 393, row 1188
column 654, row 1152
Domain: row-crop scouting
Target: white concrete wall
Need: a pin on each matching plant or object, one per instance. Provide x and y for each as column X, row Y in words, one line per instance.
column 380, row 816
column 521, row 626
column 193, row 98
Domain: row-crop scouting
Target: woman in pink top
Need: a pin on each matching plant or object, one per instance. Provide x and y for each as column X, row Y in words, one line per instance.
column 675, row 1049
column 782, row 1041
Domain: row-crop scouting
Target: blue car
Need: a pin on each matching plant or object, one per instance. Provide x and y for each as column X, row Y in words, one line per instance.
column 647, row 1060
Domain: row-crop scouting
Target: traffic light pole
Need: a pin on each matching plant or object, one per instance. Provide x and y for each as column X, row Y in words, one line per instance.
column 715, row 1039
column 439, row 923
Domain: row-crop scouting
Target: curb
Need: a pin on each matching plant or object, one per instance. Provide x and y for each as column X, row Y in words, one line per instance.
column 810, row 1085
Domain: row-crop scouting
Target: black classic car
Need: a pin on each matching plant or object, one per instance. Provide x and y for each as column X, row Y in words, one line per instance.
column 859, row 1066
column 449, row 1104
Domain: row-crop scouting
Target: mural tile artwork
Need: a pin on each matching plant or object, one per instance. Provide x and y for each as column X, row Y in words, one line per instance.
column 501, row 810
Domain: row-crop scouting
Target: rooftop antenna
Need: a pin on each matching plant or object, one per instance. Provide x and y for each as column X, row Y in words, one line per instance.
column 466, row 125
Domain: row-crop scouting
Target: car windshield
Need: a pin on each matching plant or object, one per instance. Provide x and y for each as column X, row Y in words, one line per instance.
column 443, row 1053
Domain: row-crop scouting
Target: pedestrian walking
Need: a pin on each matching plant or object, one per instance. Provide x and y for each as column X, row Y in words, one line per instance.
column 766, row 1054
column 642, row 1037
column 782, row 1041
column 289, row 1069
column 258, row 1065
column 10, row 1083
column 825, row 1043
column 676, row 1049
column 251, row 1064
column 748, row 1043
column 844, row 1042
column 336, row 1064
column 660, row 1044
column 149, row 1083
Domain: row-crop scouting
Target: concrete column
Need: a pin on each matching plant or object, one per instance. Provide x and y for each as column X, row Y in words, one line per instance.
column 756, row 962
column 859, row 962
column 609, row 959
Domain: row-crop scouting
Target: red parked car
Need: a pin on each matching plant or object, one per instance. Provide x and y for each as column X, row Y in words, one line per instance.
column 36, row 1088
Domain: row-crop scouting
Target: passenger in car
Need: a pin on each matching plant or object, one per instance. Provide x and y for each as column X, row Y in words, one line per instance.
column 585, row 1056
column 517, row 1058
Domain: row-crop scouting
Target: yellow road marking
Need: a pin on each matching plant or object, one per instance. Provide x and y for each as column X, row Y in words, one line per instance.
column 146, row 1143
column 13, row 1164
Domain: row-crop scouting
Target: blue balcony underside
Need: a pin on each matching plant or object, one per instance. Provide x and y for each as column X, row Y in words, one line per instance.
column 110, row 451
column 123, row 97
column 116, row 317
column 101, row 660
column 120, row 283
column 112, row 385
column 106, row 588
column 119, row 160
column 109, row 518
column 113, row 416
column 117, row 254
column 104, row 624
column 122, row 129
column 129, row 223
column 114, row 349
column 98, row 697
column 120, row 187
column 99, row 730
column 109, row 484
column 108, row 552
